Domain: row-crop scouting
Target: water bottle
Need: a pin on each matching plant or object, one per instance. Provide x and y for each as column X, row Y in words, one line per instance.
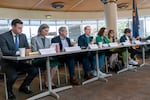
column 133, row 40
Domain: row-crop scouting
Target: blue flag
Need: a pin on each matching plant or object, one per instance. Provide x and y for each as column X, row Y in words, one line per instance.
column 135, row 27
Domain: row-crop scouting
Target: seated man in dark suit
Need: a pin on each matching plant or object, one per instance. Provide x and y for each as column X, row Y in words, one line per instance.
column 88, row 59
column 64, row 41
column 10, row 42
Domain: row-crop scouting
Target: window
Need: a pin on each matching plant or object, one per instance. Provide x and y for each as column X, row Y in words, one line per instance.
column 74, row 32
column 3, row 25
column 93, row 25
column 147, row 33
column 59, row 22
column 122, row 24
column 52, row 32
column 34, row 25
column 74, row 29
column 35, row 22
column 3, row 22
column 26, row 31
column 101, row 24
column 4, row 28
column 48, row 22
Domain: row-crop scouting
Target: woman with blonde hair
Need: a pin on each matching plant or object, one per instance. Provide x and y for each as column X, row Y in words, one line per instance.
column 40, row 42
column 114, row 56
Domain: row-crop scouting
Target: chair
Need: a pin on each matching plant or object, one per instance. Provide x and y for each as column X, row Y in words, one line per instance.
column 66, row 71
column 77, row 60
column 106, row 64
column 5, row 79
column 40, row 78
column 5, row 83
column 79, row 73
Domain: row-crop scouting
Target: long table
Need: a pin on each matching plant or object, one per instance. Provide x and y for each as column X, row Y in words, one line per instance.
column 143, row 56
column 53, row 91
column 50, row 90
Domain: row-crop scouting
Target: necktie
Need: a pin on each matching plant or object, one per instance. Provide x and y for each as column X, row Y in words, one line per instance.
column 16, row 42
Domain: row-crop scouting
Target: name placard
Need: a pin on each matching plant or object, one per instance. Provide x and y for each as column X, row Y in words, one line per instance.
column 105, row 45
column 126, row 43
column 93, row 46
column 137, row 42
column 115, row 44
column 47, row 51
column 148, row 41
column 75, row 48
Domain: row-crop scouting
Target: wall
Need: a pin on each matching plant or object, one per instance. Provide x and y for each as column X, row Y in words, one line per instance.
column 32, row 14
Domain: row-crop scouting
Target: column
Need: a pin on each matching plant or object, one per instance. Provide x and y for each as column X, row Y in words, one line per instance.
column 110, row 13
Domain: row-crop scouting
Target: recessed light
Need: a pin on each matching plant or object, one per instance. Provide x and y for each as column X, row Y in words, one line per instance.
column 48, row 16
column 57, row 5
column 123, row 5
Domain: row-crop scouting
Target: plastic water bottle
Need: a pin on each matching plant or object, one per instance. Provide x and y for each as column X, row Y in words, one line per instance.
column 133, row 40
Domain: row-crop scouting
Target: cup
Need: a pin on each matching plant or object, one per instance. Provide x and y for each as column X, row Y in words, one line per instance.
column 22, row 52
column 57, row 47
column 100, row 44
column 27, row 51
column 75, row 44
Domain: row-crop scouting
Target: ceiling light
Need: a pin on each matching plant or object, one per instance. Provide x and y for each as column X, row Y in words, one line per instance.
column 48, row 16
column 107, row 1
column 57, row 5
column 123, row 5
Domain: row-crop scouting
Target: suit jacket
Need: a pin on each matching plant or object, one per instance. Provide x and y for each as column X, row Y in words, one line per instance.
column 82, row 41
column 36, row 43
column 123, row 38
column 7, row 44
column 58, row 40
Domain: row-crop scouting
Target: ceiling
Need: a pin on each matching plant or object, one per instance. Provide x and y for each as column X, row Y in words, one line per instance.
column 69, row 5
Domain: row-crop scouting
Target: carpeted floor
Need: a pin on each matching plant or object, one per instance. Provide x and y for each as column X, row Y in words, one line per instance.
column 128, row 85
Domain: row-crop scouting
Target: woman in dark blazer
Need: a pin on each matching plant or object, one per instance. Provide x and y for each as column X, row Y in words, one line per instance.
column 128, row 37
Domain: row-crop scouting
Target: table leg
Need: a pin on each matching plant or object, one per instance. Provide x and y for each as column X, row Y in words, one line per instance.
column 128, row 67
column 50, row 91
column 143, row 58
column 98, row 76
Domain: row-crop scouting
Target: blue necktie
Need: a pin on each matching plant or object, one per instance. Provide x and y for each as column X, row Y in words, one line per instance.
column 17, row 42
